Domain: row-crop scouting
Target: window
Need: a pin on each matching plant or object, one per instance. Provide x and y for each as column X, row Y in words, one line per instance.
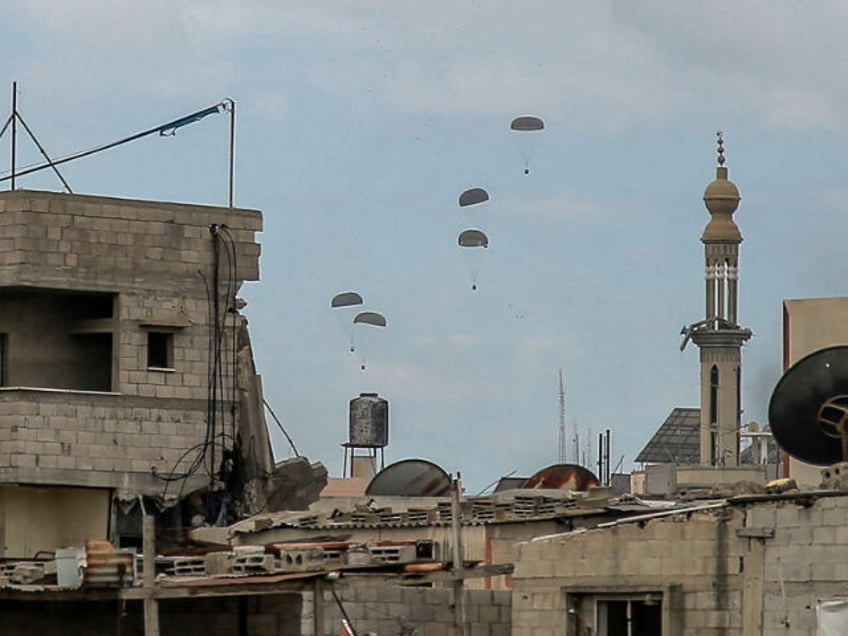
column 624, row 611
column 630, row 617
column 59, row 339
column 714, row 458
column 160, row 350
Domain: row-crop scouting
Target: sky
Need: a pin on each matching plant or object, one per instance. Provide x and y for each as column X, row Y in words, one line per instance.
column 360, row 123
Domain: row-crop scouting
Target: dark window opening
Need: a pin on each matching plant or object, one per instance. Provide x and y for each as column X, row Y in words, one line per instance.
column 60, row 339
column 630, row 617
column 714, row 416
column 160, row 350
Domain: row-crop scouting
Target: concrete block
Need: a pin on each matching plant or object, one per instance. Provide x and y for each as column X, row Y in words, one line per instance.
column 787, row 515
column 479, row 630
column 544, row 601
column 489, row 614
column 500, row 629
column 823, row 571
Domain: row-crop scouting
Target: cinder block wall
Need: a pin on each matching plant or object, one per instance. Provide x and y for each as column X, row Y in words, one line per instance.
column 157, row 260
column 751, row 568
column 805, row 561
column 391, row 609
column 699, row 554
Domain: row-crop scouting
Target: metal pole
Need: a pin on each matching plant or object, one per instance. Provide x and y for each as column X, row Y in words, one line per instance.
column 348, row 622
column 318, row 627
column 601, row 458
column 232, row 111
column 458, row 586
column 14, row 128
column 44, row 154
column 151, row 608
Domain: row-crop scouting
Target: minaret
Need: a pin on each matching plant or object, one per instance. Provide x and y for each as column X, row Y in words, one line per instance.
column 719, row 336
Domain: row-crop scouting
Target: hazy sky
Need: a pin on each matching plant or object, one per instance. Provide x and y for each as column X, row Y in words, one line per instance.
column 360, row 123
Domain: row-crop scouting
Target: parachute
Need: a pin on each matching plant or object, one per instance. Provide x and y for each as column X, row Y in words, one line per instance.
column 343, row 305
column 473, row 197
column 473, row 238
column 370, row 319
column 527, row 126
column 471, row 241
column 346, row 299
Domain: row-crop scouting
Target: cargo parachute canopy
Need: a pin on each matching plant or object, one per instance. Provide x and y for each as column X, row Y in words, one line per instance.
column 346, row 299
column 471, row 241
column 362, row 323
column 473, row 238
column 473, row 196
column 344, row 305
column 527, row 124
column 527, row 128
column 370, row 318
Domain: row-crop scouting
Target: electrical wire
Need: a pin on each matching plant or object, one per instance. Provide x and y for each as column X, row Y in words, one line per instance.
column 280, row 425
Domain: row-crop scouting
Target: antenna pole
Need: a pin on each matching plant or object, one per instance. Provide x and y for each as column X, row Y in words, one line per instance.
column 230, row 106
column 14, row 128
column 561, row 457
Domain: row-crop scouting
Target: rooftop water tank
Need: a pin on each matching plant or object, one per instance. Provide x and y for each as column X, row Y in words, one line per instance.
column 369, row 421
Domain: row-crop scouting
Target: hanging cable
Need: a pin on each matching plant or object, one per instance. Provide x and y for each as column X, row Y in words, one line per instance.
column 280, row 425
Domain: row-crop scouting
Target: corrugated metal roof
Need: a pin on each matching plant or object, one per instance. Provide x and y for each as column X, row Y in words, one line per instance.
column 677, row 441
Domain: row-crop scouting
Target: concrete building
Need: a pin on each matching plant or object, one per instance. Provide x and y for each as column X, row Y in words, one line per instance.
column 754, row 564
column 126, row 373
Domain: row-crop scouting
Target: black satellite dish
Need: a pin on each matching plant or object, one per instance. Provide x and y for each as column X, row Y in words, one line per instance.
column 808, row 411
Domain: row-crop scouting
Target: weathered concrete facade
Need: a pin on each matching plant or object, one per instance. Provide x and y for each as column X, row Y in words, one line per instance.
column 748, row 567
column 121, row 343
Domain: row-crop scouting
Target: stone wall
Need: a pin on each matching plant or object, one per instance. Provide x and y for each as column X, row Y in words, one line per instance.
column 386, row 609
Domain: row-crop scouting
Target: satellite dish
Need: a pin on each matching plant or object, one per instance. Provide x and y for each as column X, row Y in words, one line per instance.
column 808, row 411
column 410, row 478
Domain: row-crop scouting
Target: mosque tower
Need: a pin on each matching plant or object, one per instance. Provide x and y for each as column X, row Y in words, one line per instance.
column 718, row 336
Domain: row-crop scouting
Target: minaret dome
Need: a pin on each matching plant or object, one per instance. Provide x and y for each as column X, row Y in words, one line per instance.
column 721, row 198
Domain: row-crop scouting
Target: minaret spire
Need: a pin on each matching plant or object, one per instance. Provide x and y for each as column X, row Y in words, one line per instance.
column 719, row 336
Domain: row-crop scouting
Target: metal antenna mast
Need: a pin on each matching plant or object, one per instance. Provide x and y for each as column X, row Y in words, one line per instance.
column 168, row 129
column 561, row 455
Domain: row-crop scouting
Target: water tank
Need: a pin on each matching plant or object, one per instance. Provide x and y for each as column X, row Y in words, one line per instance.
column 369, row 421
